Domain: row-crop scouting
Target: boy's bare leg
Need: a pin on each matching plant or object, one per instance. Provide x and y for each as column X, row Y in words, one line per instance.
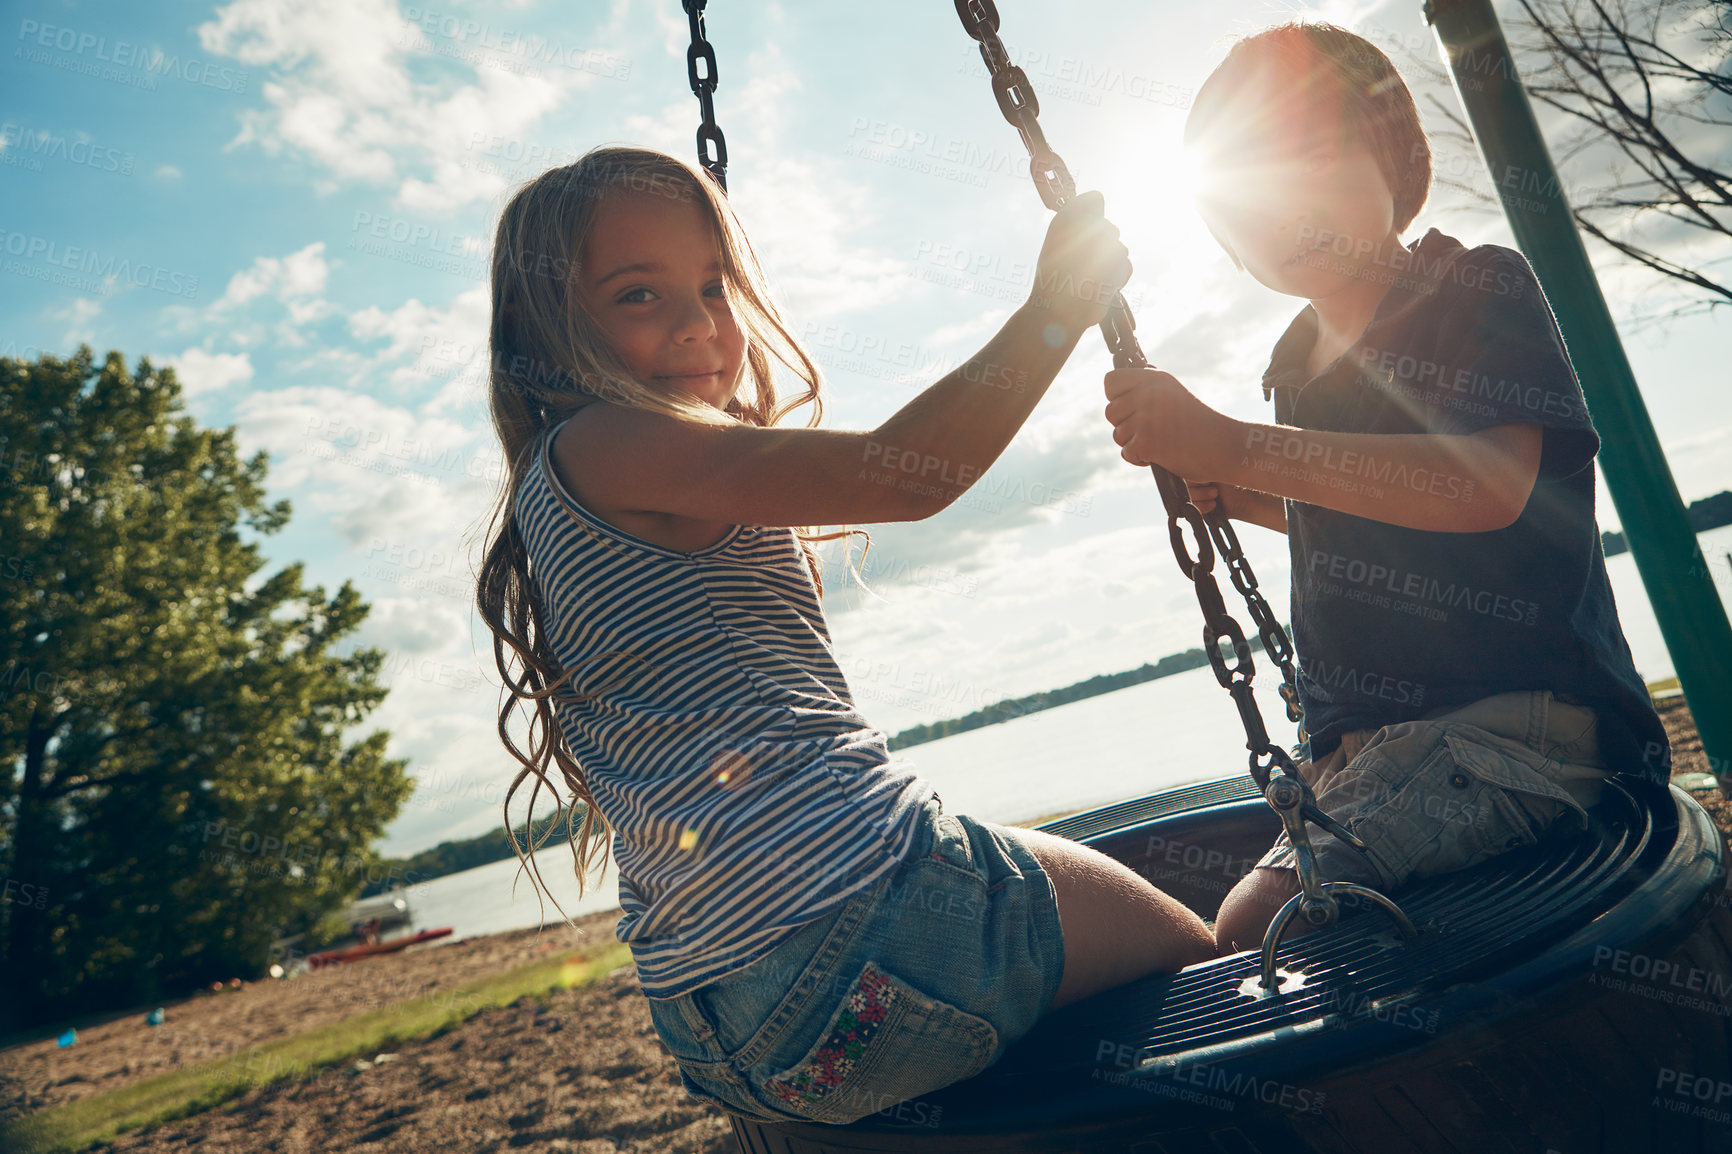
column 1117, row 927
column 1247, row 911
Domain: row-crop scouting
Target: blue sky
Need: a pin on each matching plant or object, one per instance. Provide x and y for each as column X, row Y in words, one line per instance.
column 297, row 198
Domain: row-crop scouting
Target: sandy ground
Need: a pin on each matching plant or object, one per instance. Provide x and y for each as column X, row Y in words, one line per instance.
column 39, row 1074
column 586, row 1075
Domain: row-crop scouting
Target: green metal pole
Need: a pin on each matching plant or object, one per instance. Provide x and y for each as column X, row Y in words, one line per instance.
column 1668, row 556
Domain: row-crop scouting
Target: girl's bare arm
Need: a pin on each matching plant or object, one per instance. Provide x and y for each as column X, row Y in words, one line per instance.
column 914, row 464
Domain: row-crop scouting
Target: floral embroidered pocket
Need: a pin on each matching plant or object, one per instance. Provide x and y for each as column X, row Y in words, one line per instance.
column 886, row 1043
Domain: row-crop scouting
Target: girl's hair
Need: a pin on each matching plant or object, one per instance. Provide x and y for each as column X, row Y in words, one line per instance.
column 1357, row 78
column 548, row 360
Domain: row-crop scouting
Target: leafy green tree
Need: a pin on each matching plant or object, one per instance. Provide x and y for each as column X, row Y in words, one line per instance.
column 177, row 792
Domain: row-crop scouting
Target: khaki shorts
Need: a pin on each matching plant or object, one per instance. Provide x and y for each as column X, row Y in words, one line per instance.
column 1451, row 789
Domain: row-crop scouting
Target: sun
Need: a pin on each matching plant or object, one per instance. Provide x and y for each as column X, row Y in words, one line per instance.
column 1151, row 181
column 1151, row 195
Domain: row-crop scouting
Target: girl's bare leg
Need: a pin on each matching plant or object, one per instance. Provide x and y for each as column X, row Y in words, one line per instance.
column 1117, row 926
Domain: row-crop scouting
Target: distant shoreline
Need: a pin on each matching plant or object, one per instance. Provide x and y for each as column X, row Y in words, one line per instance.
column 455, row 857
column 1014, row 707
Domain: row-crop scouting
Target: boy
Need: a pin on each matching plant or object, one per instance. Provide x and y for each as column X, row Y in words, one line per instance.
column 1464, row 678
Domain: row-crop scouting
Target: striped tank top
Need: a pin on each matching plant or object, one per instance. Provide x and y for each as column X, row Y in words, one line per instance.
column 747, row 795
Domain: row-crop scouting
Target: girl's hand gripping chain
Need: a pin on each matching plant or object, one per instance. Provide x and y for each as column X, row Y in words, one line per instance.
column 1082, row 266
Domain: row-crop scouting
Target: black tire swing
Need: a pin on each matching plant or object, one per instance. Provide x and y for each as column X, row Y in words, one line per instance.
column 1525, row 1004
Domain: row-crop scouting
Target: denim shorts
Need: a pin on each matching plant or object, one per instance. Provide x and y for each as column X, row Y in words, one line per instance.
column 922, row 979
column 1452, row 789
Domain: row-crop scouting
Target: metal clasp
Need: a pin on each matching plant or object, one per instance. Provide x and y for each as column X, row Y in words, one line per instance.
column 1291, row 797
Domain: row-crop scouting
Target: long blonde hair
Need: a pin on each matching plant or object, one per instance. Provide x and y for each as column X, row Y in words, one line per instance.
column 548, row 360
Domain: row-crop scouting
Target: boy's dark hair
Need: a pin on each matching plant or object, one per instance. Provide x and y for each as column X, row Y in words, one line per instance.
column 1377, row 109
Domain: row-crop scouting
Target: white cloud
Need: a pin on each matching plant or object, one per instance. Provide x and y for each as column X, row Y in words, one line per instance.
column 972, row 332
column 304, row 272
column 371, row 468
column 78, row 313
column 441, row 344
column 1045, row 480
column 419, row 625
column 799, row 217
column 168, row 172
column 342, row 93
column 294, row 281
column 201, row 371
column 799, row 212
column 298, row 275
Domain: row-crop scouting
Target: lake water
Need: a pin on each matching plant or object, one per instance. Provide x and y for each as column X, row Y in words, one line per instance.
column 1148, row 737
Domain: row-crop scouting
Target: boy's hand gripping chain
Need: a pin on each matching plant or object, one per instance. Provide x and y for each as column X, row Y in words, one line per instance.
column 1289, row 794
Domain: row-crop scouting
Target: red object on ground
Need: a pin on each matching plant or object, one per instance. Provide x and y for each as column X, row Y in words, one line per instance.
column 333, row 957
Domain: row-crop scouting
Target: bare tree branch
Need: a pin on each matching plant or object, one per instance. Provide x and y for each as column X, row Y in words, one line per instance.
column 1630, row 76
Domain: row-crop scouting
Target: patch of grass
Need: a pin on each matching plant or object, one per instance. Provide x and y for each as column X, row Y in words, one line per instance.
column 1663, row 685
column 316, row 1053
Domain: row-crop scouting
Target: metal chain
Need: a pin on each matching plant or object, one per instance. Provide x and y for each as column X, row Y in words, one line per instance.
column 712, row 148
column 1017, row 101
column 1288, row 794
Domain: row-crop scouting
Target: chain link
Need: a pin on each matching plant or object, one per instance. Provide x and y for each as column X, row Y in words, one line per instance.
column 1212, row 534
column 712, row 148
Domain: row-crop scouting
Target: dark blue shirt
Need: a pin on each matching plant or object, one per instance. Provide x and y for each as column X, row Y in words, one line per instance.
column 1391, row 623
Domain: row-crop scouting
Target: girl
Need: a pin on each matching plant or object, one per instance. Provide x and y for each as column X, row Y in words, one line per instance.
column 818, row 940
